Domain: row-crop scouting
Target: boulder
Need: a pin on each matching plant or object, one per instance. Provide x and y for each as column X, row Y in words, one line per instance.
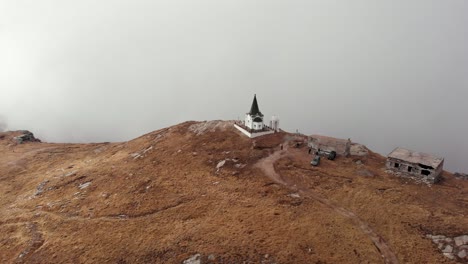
column 461, row 240
column 448, row 249
column 195, row 259
column 462, row 254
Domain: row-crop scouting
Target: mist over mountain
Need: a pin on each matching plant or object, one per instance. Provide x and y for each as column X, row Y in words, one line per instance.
column 383, row 74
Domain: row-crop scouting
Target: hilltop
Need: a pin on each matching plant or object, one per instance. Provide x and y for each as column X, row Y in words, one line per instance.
column 203, row 188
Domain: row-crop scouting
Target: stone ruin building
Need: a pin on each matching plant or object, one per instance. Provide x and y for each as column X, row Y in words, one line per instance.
column 340, row 146
column 423, row 166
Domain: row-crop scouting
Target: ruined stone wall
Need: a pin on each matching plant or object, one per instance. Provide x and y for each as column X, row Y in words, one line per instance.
column 340, row 146
column 439, row 170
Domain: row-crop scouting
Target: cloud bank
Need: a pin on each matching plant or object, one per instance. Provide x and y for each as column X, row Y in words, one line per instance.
column 385, row 74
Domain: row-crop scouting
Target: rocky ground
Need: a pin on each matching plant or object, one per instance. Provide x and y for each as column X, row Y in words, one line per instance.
column 200, row 192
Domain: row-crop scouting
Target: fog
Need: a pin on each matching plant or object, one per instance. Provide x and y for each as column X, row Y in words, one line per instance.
column 383, row 73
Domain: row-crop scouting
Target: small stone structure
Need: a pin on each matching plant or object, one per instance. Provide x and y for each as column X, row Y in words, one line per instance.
column 340, row 146
column 253, row 125
column 407, row 162
column 462, row 176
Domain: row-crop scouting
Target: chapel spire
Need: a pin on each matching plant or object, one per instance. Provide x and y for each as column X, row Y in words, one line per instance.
column 254, row 110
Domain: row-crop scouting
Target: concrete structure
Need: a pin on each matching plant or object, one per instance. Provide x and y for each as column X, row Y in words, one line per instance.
column 411, row 163
column 340, row 146
column 274, row 123
column 253, row 125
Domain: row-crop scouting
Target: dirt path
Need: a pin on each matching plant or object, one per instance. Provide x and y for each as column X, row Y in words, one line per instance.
column 267, row 165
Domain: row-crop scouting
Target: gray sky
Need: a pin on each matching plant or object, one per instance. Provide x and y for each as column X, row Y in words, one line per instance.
column 384, row 73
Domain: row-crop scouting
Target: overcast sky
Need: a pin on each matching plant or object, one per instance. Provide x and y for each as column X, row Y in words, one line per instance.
column 383, row 73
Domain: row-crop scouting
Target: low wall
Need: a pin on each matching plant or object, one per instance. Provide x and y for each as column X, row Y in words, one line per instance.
column 253, row 135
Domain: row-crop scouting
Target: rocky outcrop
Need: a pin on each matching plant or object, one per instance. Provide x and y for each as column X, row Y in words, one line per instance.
column 26, row 136
column 452, row 248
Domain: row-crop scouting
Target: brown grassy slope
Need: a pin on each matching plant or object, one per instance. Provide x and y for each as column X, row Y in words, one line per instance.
column 160, row 199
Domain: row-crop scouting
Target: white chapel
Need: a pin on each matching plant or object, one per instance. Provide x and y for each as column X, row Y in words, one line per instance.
column 254, row 118
column 253, row 125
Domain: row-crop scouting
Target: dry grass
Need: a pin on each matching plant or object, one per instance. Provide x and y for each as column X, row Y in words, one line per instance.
column 169, row 202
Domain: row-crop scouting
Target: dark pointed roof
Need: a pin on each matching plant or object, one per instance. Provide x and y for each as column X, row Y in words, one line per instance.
column 254, row 110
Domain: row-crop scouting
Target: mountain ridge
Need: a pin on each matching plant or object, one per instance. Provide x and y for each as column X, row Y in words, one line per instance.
column 196, row 187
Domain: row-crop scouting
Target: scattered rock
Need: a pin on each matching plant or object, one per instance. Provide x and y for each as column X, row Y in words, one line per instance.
column 463, row 247
column 294, row 195
column 359, row 162
column 84, row 185
column 141, row 153
column 210, row 126
column 220, row 165
column 451, row 248
column 211, row 257
column 461, row 240
column 437, row 238
column 135, row 155
column 70, row 174
column 240, row 165
column 449, row 255
column 195, row 259
column 40, row 188
column 462, row 254
column 448, row 249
